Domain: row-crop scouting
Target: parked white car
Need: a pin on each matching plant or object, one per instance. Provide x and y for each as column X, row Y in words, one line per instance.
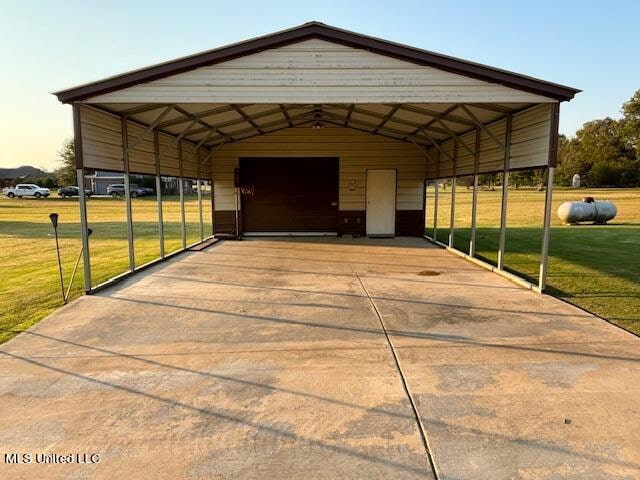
column 27, row 190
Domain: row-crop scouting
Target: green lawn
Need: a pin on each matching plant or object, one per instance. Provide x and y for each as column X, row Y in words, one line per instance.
column 30, row 289
column 596, row 267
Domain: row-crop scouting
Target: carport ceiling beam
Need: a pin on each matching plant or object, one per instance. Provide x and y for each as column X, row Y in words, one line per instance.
column 282, row 126
column 285, row 113
column 435, row 144
column 184, row 132
column 204, row 139
column 143, row 109
column 190, row 116
column 382, row 116
column 339, row 123
column 349, row 112
column 428, row 125
column 387, row 117
column 433, row 120
column 440, row 115
column 479, row 124
column 239, row 121
column 456, row 138
column 150, row 127
column 203, row 123
column 491, row 107
column 307, row 116
column 194, row 117
column 390, row 132
column 247, row 118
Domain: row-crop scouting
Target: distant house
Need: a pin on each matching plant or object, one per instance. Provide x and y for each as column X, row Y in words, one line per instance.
column 171, row 185
column 99, row 181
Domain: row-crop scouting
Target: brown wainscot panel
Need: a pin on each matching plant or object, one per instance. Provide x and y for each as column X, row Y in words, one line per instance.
column 352, row 222
column 225, row 222
column 410, row 223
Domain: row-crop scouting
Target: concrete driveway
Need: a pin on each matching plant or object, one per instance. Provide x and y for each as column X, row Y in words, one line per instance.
column 332, row 358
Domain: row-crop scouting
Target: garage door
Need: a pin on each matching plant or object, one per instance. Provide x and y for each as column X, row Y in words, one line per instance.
column 289, row 194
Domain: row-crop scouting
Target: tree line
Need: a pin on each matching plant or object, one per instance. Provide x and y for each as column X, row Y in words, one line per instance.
column 604, row 152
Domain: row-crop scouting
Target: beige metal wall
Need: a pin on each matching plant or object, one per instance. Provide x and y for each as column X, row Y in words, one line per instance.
column 317, row 71
column 358, row 151
column 102, row 148
column 529, row 146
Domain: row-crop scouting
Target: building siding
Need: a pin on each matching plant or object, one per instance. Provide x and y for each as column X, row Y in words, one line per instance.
column 357, row 151
column 317, row 71
column 530, row 136
column 102, row 148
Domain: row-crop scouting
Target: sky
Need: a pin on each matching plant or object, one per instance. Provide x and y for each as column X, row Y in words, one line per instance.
column 50, row 45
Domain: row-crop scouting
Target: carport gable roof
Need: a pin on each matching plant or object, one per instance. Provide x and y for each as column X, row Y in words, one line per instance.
column 316, row 30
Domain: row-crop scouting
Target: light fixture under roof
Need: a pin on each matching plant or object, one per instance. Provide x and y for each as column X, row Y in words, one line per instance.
column 317, row 125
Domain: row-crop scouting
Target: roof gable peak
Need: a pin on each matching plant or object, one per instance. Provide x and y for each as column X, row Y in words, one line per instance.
column 315, row 29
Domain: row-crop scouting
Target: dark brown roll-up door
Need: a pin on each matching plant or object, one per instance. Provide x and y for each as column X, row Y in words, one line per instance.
column 289, row 194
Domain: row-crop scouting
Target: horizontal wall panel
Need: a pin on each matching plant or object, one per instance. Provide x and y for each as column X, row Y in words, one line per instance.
column 99, row 118
column 317, row 71
column 92, row 161
column 103, row 149
column 529, row 148
column 530, row 137
column 189, row 161
column 101, row 139
column 169, row 156
column 465, row 159
column 141, row 150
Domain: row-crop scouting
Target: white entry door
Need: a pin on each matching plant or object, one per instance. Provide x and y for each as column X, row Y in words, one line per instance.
column 381, row 203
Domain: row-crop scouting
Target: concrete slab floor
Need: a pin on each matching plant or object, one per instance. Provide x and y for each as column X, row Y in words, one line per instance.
column 267, row 358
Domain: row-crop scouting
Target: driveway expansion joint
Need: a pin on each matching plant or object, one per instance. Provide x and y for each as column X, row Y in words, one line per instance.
column 405, row 385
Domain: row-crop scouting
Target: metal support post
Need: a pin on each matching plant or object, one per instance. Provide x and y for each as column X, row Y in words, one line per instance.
column 435, row 209
column 127, row 194
column 435, row 197
column 505, row 192
column 199, row 187
column 474, row 200
column 211, row 190
column 84, row 230
column 156, row 153
column 199, row 191
column 183, row 223
column 82, row 199
column 454, row 183
column 544, row 254
column 553, row 154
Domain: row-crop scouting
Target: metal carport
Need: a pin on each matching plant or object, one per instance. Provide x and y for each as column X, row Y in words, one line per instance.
column 380, row 105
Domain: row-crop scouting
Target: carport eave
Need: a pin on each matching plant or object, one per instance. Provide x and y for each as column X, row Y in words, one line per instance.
column 317, row 30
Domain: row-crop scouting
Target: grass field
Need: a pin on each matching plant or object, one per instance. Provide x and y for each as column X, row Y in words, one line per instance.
column 30, row 289
column 595, row 267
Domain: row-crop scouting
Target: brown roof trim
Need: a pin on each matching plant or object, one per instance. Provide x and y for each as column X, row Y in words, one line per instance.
column 324, row 32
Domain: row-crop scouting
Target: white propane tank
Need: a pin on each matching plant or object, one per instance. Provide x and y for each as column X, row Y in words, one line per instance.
column 587, row 210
